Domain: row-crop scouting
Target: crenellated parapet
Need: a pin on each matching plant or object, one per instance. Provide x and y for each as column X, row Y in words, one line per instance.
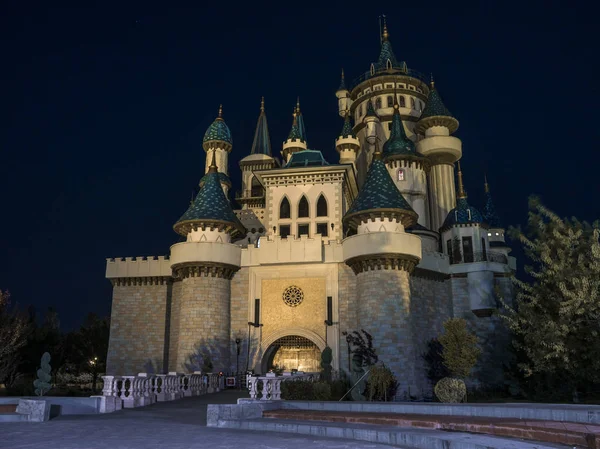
column 204, row 269
column 142, row 270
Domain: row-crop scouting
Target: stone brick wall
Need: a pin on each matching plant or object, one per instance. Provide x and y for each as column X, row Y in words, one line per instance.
column 204, row 323
column 347, row 310
column 384, row 308
column 137, row 329
column 240, row 318
column 431, row 306
column 174, row 324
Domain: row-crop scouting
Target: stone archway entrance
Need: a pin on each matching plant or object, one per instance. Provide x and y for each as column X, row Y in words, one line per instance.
column 292, row 352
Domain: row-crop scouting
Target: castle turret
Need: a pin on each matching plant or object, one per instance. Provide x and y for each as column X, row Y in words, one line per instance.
column 343, row 97
column 442, row 150
column 347, row 144
column 217, row 140
column 204, row 264
column 382, row 255
column 496, row 237
column 295, row 142
column 406, row 167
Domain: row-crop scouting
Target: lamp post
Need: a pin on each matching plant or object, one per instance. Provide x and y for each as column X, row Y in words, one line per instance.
column 237, row 362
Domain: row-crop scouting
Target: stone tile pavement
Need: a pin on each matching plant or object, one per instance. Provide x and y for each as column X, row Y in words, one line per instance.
column 167, row 425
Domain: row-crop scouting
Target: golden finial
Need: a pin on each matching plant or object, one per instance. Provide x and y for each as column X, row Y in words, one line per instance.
column 262, row 104
column 461, row 189
column 212, row 168
column 298, row 105
column 385, row 35
column 220, row 111
column 432, row 83
column 295, row 115
column 342, row 74
column 486, row 186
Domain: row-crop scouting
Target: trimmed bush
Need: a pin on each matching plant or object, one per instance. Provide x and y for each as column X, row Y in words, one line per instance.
column 303, row 390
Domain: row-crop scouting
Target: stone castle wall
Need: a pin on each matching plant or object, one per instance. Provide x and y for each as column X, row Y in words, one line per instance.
column 384, row 310
column 347, row 312
column 204, row 323
column 137, row 328
column 240, row 319
column 174, row 324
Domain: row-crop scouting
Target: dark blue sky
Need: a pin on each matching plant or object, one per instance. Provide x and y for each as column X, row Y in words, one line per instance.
column 104, row 109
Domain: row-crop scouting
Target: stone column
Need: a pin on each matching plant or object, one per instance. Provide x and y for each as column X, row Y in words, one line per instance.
column 442, row 193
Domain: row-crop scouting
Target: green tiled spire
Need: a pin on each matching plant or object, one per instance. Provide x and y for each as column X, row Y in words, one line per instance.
column 463, row 213
column 210, row 208
column 435, row 106
column 262, row 142
column 342, row 82
column 218, row 130
column 370, row 110
column 295, row 131
column 301, row 127
column 398, row 143
column 347, row 129
column 489, row 210
column 379, row 197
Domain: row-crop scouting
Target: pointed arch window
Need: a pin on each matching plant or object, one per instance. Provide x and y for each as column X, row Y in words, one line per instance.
column 321, row 206
column 402, row 101
column 303, row 208
column 378, row 103
column 284, row 208
column 390, row 101
column 388, row 64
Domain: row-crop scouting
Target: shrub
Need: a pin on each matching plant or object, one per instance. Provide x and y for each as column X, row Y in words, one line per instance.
column 42, row 383
column 382, row 383
column 321, row 391
column 303, row 390
column 460, row 350
column 450, row 390
column 326, row 358
column 339, row 388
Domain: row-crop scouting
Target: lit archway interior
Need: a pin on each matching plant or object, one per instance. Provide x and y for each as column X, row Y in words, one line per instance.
column 293, row 352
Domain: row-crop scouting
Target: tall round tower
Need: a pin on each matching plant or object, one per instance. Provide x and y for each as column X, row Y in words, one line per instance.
column 204, row 264
column 347, row 144
column 343, row 97
column 295, row 142
column 382, row 255
column 443, row 150
column 407, row 168
column 217, row 140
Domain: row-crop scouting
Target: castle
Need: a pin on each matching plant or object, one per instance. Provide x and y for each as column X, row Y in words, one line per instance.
column 383, row 241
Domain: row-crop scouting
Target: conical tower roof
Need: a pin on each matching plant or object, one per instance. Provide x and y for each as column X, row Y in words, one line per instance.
column 300, row 118
column 295, row 131
column 463, row 213
column 386, row 53
column 262, row 141
column 347, row 130
column 210, row 208
column 379, row 197
column 370, row 110
column 489, row 210
column 218, row 130
column 342, row 83
column 398, row 143
column 436, row 113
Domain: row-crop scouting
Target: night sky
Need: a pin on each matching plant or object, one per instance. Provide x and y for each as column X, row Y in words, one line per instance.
column 104, row 110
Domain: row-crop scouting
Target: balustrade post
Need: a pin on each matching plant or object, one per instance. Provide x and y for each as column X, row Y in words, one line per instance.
column 161, row 394
column 252, row 383
column 127, row 392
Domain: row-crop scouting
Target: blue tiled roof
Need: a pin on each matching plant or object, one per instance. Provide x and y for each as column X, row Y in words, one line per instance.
column 463, row 213
column 489, row 212
column 223, row 178
column 262, row 141
column 301, row 128
column 347, row 129
column 218, row 130
column 379, row 192
column 342, row 83
column 210, row 205
column 306, row 158
column 386, row 53
column 435, row 106
column 398, row 143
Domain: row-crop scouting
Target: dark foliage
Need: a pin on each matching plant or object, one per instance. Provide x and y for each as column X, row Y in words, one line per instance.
column 436, row 369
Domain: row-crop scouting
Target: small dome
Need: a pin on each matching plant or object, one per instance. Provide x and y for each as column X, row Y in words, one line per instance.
column 306, row 158
column 218, row 130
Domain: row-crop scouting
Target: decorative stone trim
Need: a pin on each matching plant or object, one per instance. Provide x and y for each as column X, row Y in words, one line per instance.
column 303, row 178
column 430, row 275
column 204, row 269
column 385, row 261
column 185, row 227
column 407, row 160
column 406, row 217
column 437, row 120
column 149, row 280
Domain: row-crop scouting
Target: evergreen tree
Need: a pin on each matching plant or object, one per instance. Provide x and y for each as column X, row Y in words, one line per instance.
column 459, row 348
column 556, row 317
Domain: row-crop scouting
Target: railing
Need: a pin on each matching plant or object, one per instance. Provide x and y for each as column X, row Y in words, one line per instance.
column 268, row 387
column 386, row 71
column 249, row 195
column 145, row 389
column 478, row 256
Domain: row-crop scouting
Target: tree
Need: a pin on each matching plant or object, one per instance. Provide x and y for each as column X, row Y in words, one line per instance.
column 556, row 317
column 435, row 361
column 460, row 350
column 13, row 336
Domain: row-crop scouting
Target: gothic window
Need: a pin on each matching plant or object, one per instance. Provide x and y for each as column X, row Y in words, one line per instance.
column 378, row 103
column 321, row 207
column 390, row 101
column 284, row 208
column 284, row 231
column 322, row 229
column 303, row 207
column 400, row 174
column 303, row 229
column 402, row 101
column 388, row 64
column 412, row 103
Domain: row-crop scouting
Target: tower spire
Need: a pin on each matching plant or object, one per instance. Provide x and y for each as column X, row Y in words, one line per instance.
column 262, row 104
column 461, row 189
column 220, row 112
column 485, row 184
column 262, row 141
column 385, row 36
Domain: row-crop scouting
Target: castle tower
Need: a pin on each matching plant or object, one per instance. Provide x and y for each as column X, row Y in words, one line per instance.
column 203, row 266
column 217, row 140
column 295, row 142
column 442, row 150
column 496, row 237
column 382, row 256
column 252, row 196
column 343, row 97
column 347, row 144
column 406, row 167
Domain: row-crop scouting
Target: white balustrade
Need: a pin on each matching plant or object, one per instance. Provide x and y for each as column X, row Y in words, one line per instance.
column 268, row 387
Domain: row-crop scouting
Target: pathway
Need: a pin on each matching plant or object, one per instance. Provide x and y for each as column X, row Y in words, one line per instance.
column 167, row 425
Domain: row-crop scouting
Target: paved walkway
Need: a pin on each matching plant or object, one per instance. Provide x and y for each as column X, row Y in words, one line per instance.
column 167, row 425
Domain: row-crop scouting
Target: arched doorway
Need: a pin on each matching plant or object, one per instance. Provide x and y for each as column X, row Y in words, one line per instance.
column 292, row 352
